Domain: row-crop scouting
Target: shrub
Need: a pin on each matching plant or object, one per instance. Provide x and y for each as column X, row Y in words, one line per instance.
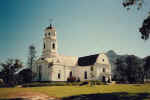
column 71, row 79
column 39, row 84
column 96, row 82
column 84, row 83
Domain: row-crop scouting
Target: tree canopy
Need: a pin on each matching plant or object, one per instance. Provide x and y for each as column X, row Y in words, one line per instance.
column 9, row 69
column 133, row 69
column 145, row 28
column 31, row 56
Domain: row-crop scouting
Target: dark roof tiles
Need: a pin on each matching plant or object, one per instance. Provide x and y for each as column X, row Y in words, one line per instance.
column 87, row 60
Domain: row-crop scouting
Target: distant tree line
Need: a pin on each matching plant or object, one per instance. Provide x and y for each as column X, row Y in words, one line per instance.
column 132, row 69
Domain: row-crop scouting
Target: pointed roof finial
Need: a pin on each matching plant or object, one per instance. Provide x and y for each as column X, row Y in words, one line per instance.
column 51, row 22
column 51, row 26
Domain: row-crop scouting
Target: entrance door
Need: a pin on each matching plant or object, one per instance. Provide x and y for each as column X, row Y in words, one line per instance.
column 70, row 74
column 104, row 79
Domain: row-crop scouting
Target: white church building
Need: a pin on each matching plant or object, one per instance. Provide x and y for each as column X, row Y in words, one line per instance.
column 52, row 66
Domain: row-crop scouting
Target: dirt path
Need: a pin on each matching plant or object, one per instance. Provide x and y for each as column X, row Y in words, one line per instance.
column 33, row 96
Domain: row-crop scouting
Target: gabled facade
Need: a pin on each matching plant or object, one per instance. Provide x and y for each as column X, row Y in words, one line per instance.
column 52, row 66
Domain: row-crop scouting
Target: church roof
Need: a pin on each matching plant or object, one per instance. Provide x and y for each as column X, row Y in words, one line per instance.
column 87, row 60
column 68, row 60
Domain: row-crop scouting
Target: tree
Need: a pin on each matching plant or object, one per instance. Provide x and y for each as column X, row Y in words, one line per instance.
column 147, row 67
column 32, row 56
column 145, row 28
column 130, row 69
column 121, row 70
column 92, row 74
column 134, row 70
column 25, row 76
column 9, row 68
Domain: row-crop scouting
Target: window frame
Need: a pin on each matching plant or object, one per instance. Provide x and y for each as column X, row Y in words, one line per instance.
column 85, row 75
column 53, row 45
column 104, row 70
column 59, row 76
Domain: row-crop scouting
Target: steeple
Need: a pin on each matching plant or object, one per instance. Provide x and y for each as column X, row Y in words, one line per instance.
column 50, row 42
column 50, row 26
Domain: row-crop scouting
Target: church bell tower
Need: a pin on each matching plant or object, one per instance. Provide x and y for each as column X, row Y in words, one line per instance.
column 50, row 42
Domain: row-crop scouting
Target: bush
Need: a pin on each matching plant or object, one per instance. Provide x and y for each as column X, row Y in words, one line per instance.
column 71, row 79
column 39, row 84
column 75, row 83
column 25, row 76
column 84, row 83
column 96, row 82
column 2, row 83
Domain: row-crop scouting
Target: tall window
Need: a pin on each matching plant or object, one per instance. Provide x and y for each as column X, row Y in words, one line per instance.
column 53, row 45
column 58, row 75
column 92, row 68
column 85, row 75
column 70, row 74
column 104, row 70
column 50, row 64
column 44, row 45
column 103, row 60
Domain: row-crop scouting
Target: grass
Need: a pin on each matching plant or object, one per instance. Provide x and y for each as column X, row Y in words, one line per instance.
column 66, row 91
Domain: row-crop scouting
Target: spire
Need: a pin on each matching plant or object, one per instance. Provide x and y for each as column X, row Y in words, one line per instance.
column 50, row 27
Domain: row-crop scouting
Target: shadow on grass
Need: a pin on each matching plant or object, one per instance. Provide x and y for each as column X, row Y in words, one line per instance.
column 110, row 96
column 15, row 99
column 104, row 96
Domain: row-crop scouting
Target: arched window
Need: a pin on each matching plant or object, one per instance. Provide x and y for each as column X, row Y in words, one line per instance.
column 104, row 70
column 92, row 68
column 58, row 75
column 50, row 64
column 44, row 45
column 53, row 45
column 103, row 60
column 85, row 75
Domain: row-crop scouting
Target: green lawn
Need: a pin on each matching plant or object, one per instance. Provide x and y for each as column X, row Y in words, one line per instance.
column 65, row 91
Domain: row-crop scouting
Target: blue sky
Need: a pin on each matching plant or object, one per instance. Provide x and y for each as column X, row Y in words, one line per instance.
column 83, row 27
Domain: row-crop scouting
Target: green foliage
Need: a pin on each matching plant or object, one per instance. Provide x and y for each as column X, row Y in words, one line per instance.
column 145, row 28
column 39, row 84
column 82, row 83
column 128, row 3
column 131, row 69
column 31, row 56
column 147, row 67
column 10, row 67
column 96, row 82
column 25, row 76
